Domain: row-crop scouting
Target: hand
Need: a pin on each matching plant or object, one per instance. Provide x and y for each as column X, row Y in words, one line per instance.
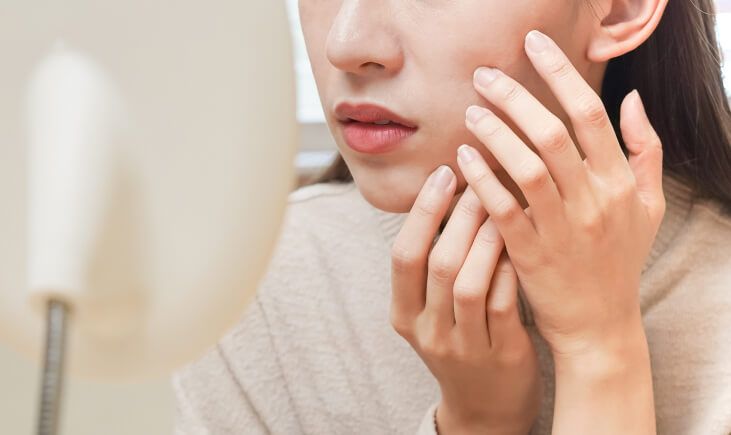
column 580, row 250
column 457, row 307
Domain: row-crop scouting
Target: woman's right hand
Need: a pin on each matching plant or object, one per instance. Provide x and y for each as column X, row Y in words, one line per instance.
column 455, row 302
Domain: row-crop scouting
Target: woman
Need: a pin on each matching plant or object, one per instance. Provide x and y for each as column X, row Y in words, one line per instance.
column 512, row 241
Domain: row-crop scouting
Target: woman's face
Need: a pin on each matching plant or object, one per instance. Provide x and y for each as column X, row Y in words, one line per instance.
column 416, row 58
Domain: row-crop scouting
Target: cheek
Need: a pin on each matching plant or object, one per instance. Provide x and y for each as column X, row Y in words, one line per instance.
column 486, row 42
column 466, row 42
column 451, row 65
column 492, row 33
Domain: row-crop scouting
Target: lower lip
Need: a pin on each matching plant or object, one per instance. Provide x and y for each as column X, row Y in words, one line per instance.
column 373, row 138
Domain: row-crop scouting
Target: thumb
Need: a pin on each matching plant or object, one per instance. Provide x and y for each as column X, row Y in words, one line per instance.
column 645, row 154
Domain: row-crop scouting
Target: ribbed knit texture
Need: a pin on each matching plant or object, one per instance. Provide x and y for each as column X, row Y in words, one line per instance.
column 315, row 352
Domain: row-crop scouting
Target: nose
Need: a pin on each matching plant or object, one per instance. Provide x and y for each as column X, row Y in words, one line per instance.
column 362, row 41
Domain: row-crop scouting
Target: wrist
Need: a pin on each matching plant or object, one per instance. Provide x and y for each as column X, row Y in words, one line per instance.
column 616, row 364
column 613, row 351
column 611, row 381
column 449, row 421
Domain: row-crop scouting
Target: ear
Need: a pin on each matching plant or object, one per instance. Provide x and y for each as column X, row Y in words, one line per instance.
column 623, row 26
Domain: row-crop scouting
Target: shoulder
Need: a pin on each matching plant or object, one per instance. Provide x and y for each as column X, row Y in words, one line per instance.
column 327, row 211
column 717, row 216
column 700, row 257
column 320, row 203
column 699, row 228
column 321, row 192
column 711, row 225
column 321, row 222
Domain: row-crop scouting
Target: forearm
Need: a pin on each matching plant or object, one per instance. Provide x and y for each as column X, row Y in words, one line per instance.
column 606, row 390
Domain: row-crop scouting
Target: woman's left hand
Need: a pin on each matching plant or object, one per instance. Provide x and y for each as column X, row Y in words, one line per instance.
column 580, row 248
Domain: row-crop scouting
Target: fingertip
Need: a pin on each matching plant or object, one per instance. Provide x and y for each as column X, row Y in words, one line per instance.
column 536, row 42
column 631, row 106
column 634, row 122
column 443, row 178
column 466, row 154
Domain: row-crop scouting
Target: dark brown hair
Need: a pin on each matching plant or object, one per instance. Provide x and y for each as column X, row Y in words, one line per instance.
column 677, row 71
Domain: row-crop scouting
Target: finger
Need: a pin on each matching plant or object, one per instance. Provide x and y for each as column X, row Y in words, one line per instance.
column 523, row 165
column 586, row 110
column 503, row 317
column 473, row 282
column 514, row 224
column 414, row 241
column 448, row 255
column 544, row 129
column 646, row 155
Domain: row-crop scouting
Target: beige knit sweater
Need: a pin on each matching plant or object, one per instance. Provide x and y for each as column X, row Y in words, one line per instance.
column 315, row 352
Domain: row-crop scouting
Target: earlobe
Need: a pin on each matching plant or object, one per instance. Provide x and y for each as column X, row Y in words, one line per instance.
column 625, row 27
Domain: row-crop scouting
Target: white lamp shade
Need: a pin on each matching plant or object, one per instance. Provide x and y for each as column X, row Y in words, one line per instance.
column 147, row 152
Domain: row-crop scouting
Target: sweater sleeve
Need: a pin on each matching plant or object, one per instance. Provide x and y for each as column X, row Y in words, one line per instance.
column 429, row 422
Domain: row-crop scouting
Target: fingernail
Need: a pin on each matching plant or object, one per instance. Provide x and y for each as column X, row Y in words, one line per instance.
column 536, row 41
column 466, row 153
column 442, row 177
column 475, row 113
column 637, row 101
column 484, row 76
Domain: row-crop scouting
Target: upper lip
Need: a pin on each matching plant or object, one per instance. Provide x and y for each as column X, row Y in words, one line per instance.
column 369, row 113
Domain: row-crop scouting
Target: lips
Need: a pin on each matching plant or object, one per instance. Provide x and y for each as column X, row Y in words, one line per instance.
column 370, row 114
column 371, row 129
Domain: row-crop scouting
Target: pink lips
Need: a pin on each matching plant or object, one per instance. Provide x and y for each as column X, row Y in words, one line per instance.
column 363, row 134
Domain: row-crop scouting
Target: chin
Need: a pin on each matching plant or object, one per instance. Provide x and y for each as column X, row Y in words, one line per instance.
column 394, row 188
column 393, row 193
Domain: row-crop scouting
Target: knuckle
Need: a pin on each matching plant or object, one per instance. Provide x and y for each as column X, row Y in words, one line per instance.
column 591, row 111
column 435, row 348
column 488, row 128
column 510, row 92
column 471, row 207
column 499, row 311
column 506, row 209
column 625, row 190
column 655, row 148
column 657, row 142
column 482, row 179
column 559, row 68
column 467, row 294
column 533, row 176
column 401, row 325
column 592, row 224
column 427, row 208
column 488, row 237
column 468, row 356
column 555, row 138
column 402, row 259
column 443, row 267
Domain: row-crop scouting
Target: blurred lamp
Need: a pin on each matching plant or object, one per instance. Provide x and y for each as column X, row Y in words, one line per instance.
column 147, row 153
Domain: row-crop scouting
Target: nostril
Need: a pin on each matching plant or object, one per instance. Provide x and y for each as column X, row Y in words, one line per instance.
column 376, row 65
